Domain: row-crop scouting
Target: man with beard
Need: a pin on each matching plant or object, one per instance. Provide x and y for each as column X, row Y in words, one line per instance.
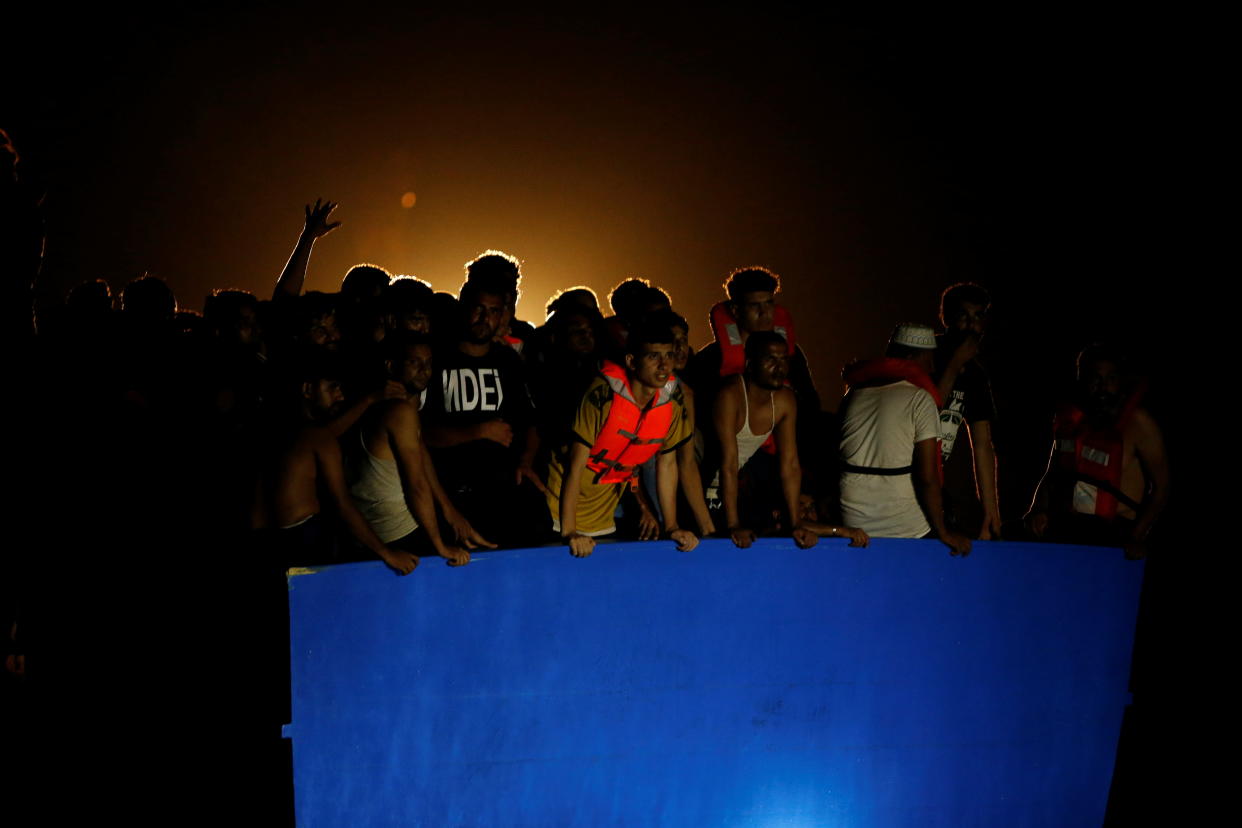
column 628, row 415
column 970, row 499
column 480, row 425
column 746, row 413
column 1108, row 477
column 305, row 464
column 393, row 482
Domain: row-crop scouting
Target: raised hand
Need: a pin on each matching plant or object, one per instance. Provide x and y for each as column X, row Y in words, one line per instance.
column 317, row 224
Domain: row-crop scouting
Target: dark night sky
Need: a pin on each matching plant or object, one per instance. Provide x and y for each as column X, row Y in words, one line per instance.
column 869, row 164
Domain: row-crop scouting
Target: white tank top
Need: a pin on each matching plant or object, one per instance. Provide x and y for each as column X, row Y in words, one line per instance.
column 748, row 442
column 377, row 492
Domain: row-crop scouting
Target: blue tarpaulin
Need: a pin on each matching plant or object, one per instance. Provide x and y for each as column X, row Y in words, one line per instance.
column 892, row 685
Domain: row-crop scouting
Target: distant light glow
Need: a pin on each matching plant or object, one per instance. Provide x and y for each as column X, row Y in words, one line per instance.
column 407, row 200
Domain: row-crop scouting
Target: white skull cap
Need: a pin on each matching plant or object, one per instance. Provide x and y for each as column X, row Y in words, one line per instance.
column 914, row 336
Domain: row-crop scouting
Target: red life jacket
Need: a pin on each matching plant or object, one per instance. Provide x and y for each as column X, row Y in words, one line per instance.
column 888, row 370
column 631, row 435
column 729, row 337
column 1092, row 458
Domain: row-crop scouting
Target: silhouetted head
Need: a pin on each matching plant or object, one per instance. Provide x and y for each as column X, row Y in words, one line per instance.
column 409, row 302
column 629, row 298
column 148, row 299
column 90, row 299
column 581, row 297
column 495, row 271
column 364, row 281
column 232, row 316
column 573, row 330
column 767, row 359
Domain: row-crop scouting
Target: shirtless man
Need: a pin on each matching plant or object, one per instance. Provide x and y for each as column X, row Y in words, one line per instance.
column 1108, row 477
column 306, row 465
column 395, row 485
column 746, row 413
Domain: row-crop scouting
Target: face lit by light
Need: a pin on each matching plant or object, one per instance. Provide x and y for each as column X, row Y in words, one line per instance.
column 681, row 348
column 414, row 372
column 772, row 367
column 654, row 366
column 756, row 311
column 486, row 317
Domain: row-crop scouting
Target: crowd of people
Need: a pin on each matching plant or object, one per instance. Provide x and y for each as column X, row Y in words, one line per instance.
column 392, row 421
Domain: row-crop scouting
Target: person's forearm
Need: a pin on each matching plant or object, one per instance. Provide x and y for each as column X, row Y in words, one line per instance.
column 791, row 484
column 293, row 277
column 933, row 505
column 666, row 489
column 691, row 481
column 985, row 470
column 728, row 488
column 421, row 503
column 447, row 436
column 569, row 501
column 1156, row 501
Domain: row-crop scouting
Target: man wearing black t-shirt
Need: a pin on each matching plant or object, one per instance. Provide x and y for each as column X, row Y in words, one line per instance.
column 479, row 423
column 970, row 502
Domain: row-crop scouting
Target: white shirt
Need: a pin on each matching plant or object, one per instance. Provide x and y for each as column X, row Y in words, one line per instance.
column 880, row 427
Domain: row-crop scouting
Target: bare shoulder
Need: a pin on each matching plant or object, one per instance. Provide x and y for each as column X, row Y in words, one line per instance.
column 786, row 402
column 1143, row 429
column 397, row 412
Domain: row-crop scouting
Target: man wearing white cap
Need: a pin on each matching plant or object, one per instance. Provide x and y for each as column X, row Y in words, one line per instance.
column 890, row 428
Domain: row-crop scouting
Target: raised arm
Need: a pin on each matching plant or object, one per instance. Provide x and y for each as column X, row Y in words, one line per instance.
column 927, row 479
column 293, row 277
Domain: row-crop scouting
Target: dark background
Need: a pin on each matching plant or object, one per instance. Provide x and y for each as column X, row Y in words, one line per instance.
column 870, row 163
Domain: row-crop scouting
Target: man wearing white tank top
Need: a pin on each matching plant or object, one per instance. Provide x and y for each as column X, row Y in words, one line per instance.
column 745, row 413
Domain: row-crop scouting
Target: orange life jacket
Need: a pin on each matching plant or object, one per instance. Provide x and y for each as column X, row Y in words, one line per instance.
column 631, row 435
column 1092, row 458
column 729, row 337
